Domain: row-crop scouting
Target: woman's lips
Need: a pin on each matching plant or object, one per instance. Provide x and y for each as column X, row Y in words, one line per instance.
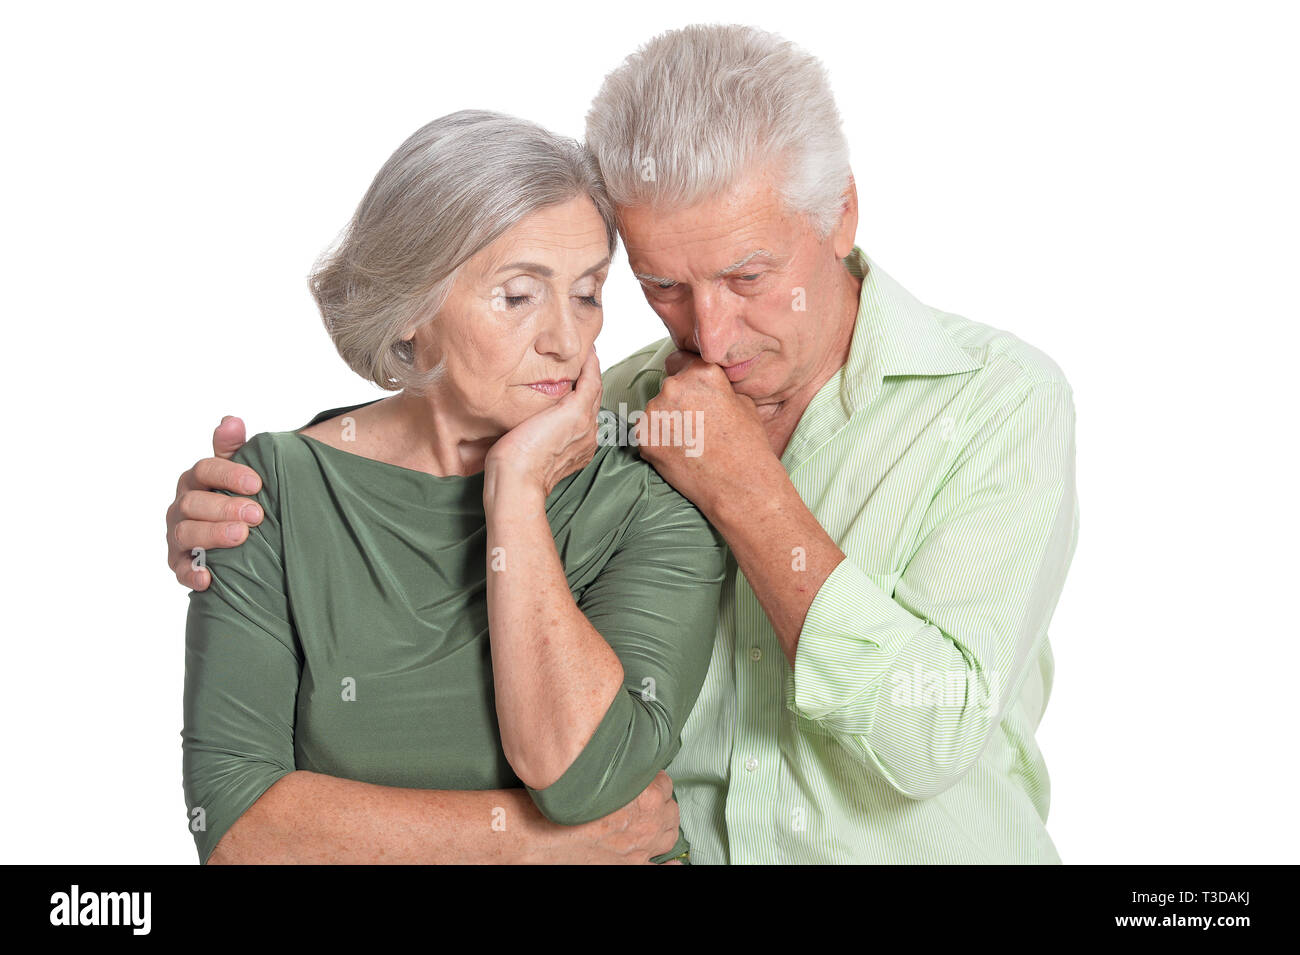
column 737, row 372
column 555, row 389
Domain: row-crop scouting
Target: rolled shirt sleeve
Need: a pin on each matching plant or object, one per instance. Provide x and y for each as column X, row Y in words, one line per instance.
column 913, row 682
column 656, row 603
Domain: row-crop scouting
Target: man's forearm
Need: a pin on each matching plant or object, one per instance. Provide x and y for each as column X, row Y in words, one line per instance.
column 782, row 549
column 310, row 818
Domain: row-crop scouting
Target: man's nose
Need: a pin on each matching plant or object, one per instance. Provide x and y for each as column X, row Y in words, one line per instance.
column 715, row 326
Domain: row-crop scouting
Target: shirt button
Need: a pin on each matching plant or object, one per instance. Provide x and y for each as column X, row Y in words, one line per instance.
column 755, row 654
column 751, row 764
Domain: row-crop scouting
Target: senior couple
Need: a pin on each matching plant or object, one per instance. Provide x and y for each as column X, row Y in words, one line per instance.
column 450, row 625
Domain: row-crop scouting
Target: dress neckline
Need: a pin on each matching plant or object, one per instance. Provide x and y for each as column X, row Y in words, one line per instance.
column 445, row 480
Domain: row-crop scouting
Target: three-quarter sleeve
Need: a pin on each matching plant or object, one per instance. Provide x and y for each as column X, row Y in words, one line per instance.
column 242, row 668
column 656, row 603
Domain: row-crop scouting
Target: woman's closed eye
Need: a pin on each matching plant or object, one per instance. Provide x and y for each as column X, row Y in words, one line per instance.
column 515, row 301
column 519, row 291
column 587, row 291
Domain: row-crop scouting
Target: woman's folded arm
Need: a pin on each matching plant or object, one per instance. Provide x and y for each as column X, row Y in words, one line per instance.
column 591, row 695
column 248, row 804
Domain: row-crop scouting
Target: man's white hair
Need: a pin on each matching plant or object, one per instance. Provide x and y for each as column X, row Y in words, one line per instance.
column 691, row 111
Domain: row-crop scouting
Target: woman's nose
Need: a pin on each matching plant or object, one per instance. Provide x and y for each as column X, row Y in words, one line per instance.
column 560, row 336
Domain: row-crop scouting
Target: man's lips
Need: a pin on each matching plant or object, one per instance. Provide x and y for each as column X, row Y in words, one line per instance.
column 739, row 370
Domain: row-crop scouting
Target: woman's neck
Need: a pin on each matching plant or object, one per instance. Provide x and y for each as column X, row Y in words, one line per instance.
column 410, row 431
column 444, row 442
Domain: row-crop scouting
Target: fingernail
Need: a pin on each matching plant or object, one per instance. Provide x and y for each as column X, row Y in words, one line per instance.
column 250, row 513
column 248, row 484
column 233, row 532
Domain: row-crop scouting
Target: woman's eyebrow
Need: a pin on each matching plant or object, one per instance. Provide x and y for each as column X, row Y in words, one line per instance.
column 542, row 270
column 547, row 272
column 596, row 268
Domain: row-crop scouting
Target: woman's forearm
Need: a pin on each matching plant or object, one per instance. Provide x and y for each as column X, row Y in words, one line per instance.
column 310, row 818
column 555, row 675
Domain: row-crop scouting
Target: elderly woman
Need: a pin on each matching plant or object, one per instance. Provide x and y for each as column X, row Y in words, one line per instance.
column 454, row 587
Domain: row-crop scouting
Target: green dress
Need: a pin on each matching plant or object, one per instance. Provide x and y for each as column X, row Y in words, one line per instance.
column 348, row 635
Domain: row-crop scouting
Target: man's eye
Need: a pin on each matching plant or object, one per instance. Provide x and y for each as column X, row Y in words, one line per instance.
column 750, row 277
column 514, row 301
column 665, row 285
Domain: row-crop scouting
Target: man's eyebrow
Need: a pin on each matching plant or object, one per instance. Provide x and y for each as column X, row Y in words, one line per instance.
column 736, row 265
column 657, row 279
column 546, row 272
column 660, row 280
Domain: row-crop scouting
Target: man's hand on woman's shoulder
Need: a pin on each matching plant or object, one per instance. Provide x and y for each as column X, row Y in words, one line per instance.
column 201, row 516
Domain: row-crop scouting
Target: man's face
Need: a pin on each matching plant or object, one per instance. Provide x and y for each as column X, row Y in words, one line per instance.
column 744, row 284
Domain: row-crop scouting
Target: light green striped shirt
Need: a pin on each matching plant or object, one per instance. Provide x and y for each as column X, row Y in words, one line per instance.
column 940, row 459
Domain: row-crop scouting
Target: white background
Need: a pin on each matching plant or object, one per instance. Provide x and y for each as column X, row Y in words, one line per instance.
column 1114, row 183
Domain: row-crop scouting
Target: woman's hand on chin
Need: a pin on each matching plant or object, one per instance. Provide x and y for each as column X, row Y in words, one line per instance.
column 539, row 452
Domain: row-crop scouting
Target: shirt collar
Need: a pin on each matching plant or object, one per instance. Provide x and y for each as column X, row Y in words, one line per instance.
column 894, row 334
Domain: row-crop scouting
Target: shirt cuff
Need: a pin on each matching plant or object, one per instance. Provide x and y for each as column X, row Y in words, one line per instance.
column 850, row 637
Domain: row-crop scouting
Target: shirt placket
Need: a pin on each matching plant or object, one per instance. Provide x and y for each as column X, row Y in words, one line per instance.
column 754, row 785
column 759, row 796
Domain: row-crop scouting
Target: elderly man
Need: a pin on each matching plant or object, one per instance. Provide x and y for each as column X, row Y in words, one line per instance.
column 895, row 484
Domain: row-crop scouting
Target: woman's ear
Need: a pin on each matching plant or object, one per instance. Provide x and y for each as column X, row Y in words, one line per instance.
column 425, row 348
column 408, row 333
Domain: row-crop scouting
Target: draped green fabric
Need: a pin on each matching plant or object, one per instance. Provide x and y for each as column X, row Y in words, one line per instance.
column 349, row 634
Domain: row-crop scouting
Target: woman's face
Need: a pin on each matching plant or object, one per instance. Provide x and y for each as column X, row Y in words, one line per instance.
column 520, row 319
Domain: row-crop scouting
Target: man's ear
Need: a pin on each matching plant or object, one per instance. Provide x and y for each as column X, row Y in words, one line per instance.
column 846, row 230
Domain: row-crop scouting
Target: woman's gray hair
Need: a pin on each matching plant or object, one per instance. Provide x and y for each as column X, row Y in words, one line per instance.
column 693, row 109
column 455, row 186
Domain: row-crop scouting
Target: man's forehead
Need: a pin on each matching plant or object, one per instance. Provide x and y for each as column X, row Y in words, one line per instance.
column 714, row 233
column 706, row 264
column 707, row 253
